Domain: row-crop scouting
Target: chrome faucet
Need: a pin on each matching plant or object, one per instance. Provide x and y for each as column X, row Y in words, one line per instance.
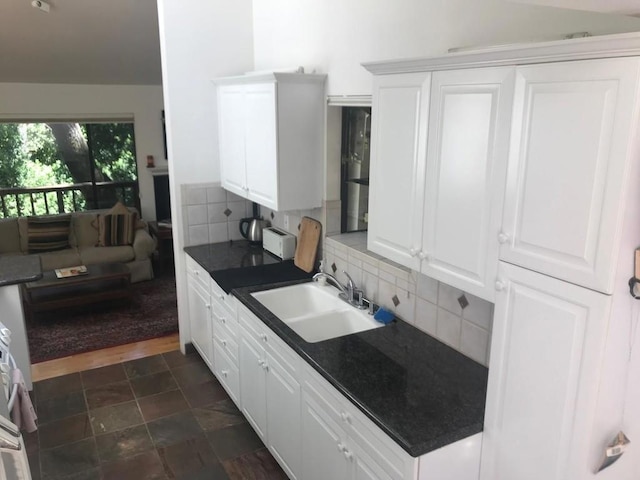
column 349, row 293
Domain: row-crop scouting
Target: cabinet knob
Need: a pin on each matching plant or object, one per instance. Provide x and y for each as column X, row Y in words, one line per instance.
column 413, row 252
column 261, row 363
column 348, row 455
column 423, row 256
column 503, row 238
column 500, row 285
column 224, row 343
column 346, row 417
column 221, row 297
column 223, row 320
column 225, row 373
column 341, row 447
column 208, row 306
column 264, row 337
column 196, row 272
column 265, row 366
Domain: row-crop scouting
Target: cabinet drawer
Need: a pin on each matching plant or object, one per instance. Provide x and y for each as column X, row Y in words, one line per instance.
column 288, row 359
column 197, row 272
column 254, row 327
column 323, row 394
column 226, row 300
column 222, row 321
column 227, row 373
column 227, row 343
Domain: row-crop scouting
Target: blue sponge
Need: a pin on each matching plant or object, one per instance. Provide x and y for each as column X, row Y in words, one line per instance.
column 384, row 316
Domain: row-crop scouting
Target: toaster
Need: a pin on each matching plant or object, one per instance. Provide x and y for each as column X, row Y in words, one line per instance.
column 282, row 244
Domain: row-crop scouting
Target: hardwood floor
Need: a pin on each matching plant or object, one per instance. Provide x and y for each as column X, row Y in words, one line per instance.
column 102, row 358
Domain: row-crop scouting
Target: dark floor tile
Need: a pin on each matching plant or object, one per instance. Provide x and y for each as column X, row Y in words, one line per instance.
column 115, row 417
column 31, row 442
column 177, row 359
column 192, row 374
column 174, row 429
column 201, row 394
column 104, row 375
column 125, row 443
column 190, row 460
column 145, row 366
column 258, row 465
column 69, row 459
column 145, row 466
column 234, row 441
column 61, row 407
column 110, row 394
column 66, row 430
column 153, row 384
column 218, row 415
column 34, row 465
column 91, row 474
column 54, row 387
column 162, row 405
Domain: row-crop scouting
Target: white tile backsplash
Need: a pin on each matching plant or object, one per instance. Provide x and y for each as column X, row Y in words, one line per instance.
column 431, row 306
column 204, row 217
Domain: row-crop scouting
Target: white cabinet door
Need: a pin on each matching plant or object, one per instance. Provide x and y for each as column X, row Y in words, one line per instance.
column 283, row 417
column 322, row 443
column 200, row 320
column 566, row 179
column 398, row 140
column 253, row 383
column 469, row 123
column 364, row 467
column 546, row 355
column 261, row 144
column 231, row 118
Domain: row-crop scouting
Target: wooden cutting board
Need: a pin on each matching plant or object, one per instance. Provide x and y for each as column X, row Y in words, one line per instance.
column 307, row 247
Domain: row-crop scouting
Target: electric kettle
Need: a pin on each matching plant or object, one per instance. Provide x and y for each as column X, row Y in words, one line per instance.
column 251, row 229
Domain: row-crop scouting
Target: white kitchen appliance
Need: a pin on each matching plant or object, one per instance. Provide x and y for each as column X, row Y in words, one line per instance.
column 282, row 244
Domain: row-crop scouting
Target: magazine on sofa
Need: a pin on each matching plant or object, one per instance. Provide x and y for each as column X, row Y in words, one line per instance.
column 71, row 271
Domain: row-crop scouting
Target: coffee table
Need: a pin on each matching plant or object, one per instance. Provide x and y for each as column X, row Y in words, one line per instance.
column 108, row 281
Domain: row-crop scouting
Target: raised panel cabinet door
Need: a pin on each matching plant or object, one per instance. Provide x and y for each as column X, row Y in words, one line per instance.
column 283, row 418
column 261, row 144
column 253, row 383
column 364, row 467
column 468, row 139
column 231, row 133
column 398, row 143
column 570, row 147
column 546, row 356
column 322, row 444
column 200, row 320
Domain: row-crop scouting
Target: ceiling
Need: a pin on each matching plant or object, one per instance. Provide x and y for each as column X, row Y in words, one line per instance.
column 622, row 7
column 80, row 41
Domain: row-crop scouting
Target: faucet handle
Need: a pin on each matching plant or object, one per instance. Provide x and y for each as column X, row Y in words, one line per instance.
column 350, row 283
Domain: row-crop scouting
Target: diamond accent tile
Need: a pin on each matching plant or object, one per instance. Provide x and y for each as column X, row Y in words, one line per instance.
column 227, row 212
column 333, row 267
column 462, row 300
column 273, row 215
column 395, row 300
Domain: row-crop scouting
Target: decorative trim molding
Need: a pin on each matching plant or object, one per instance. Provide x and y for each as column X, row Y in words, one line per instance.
column 271, row 77
column 349, row 100
column 604, row 46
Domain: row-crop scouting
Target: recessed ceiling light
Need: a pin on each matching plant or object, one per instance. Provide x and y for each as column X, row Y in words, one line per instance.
column 39, row 4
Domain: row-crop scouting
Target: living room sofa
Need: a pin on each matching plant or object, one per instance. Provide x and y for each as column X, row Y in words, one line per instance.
column 84, row 246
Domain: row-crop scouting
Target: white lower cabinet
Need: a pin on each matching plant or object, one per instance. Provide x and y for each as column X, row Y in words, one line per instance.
column 199, row 300
column 270, row 391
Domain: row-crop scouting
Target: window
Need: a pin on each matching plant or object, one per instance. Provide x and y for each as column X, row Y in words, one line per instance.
column 354, row 187
column 54, row 167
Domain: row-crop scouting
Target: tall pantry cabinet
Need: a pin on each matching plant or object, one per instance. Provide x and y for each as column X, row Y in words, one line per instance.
column 558, row 218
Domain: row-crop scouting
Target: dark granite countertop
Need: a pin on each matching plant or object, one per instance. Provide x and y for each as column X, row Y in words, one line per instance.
column 19, row 269
column 422, row 393
column 238, row 264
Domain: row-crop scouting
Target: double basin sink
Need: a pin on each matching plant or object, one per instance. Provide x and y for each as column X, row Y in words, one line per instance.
column 315, row 312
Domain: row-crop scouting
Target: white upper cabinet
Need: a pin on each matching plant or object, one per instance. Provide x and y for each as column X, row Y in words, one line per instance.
column 271, row 130
column 467, row 142
column 569, row 150
column 438, row 167
column 546, row 358
column 398, row 139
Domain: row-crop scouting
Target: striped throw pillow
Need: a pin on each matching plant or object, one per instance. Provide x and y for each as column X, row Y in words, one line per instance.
column 117, row 229
column 48, row 233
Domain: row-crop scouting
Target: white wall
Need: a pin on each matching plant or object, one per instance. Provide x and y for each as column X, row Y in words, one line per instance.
column 143, row 104
column 336, row 36
column 199, row 41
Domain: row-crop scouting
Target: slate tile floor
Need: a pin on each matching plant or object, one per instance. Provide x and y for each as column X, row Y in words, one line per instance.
column 160, row 417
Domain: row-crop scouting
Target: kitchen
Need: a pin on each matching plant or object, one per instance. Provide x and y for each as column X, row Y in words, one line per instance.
column 353, row 88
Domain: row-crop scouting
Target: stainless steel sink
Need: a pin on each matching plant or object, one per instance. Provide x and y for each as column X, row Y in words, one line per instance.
column 315, row 312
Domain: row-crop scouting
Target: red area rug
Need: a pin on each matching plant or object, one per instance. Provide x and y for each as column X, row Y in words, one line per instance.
column 151, row 313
